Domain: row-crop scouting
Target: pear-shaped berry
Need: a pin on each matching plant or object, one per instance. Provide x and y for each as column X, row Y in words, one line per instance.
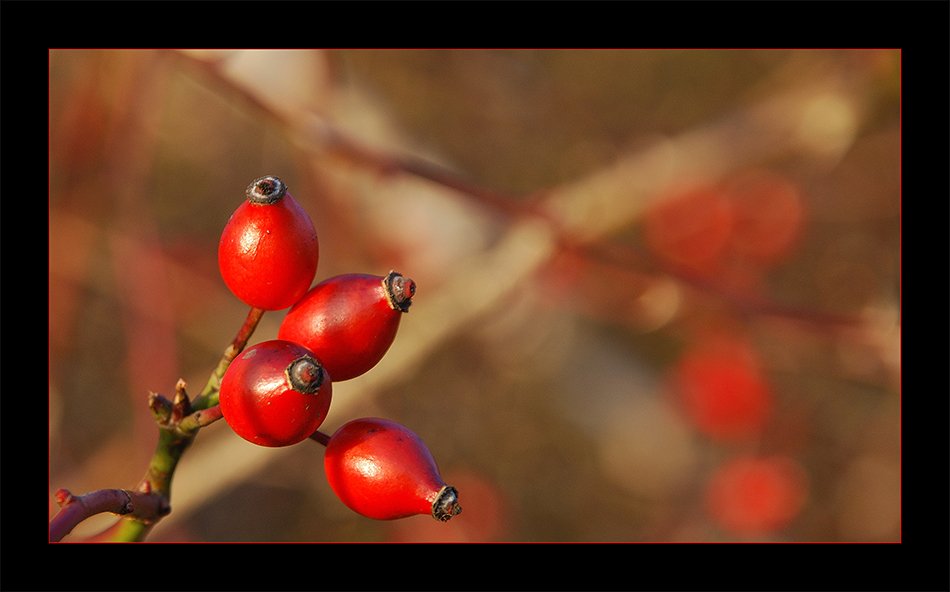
column 269, row 251
column 383, row 470
column 349, row 321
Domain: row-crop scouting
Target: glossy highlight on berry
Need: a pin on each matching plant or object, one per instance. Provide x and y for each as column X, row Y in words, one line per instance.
column 349, row 321
column 269, row 251
column 276, row 393
column 383, row 470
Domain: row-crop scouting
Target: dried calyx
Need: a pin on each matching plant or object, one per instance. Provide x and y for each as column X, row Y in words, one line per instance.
column 305, row 375
column 266, row 191
column 446, row 504
column 399, row 291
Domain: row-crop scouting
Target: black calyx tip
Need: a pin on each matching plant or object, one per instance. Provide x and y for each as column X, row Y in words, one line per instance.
column 306, row 375
column 266, row 191
column 446, row 504
column 399, row 291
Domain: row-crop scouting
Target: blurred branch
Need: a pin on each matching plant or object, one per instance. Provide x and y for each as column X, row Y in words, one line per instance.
column 626, row 257
column 582, row 215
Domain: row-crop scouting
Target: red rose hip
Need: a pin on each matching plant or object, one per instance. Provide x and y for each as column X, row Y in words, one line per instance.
column 275, row 393
column 269, row 251
column 722, row 391
column 690, row 229
column 752, row 496
column 349, row 321
column 383, row 470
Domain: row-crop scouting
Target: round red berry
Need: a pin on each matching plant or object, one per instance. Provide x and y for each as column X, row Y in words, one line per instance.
column 769, row 216
column 383, row 470
column 275, row 393
column 690, row 229
column 268, row 252
column 721, row 390
column 349, row 321
column 753, row 496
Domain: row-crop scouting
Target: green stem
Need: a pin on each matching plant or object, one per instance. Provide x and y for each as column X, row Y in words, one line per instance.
column 175, row 436
column 209, row 396
column 157, row 480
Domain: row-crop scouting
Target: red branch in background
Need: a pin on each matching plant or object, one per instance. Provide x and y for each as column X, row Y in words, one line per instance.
column 323, row 137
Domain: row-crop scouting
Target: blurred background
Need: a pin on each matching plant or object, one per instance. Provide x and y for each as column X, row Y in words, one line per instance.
column 658, row 291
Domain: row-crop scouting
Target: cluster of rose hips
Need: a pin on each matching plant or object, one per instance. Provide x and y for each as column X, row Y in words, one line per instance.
column 278, row 393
